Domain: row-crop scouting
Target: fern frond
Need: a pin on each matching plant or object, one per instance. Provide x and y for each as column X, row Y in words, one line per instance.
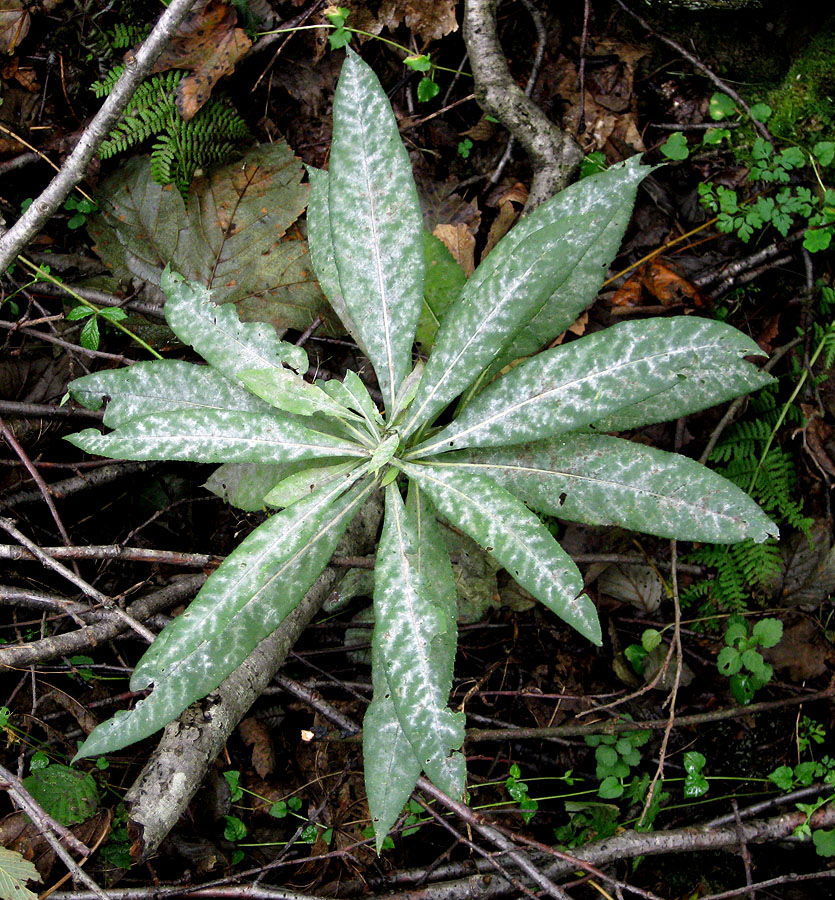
column 180, row 147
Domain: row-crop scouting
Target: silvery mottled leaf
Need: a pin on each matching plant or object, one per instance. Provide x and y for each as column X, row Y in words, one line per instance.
column 214, row 436
column 602, row 480
column 376, row 224
column 244, row 601
column 219, row 336
column 320, row 239
column 513, row 535
column 288, row 391
column 575, row 384
column 154, row 387
column 412, row 636
column 301, row 484
column 532, row 262
column 390, row 764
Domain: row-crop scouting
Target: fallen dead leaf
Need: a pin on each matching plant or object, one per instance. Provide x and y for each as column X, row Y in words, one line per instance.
column 803, row 653
column 207, row 44
column 629, row 293
column 460, row 243
column 257, row 735
column 14, row 24
column 428, row 19
column 666, row 285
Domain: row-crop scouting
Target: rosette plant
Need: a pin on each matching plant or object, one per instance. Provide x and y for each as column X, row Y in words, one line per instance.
column 468, row 437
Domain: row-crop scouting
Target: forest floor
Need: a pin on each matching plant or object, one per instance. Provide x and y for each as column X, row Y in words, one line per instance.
column 720, row 784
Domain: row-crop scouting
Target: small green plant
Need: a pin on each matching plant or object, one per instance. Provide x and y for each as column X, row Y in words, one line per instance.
column 80, row 207
column 766, row 166
column 791, row 778
column 695, row 783
column 518, row 790
column 461, row 443
column 587, row 822
column 636, row 654
column 616, row 755
column 90, row 336
column 116, row 850
column 809, row 732
column 740, row 659
column 464, row 148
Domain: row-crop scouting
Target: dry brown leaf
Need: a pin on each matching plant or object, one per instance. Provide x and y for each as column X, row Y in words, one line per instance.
column 503, row 222
column 803, row 652
column 428, row 19
column 629, row 293
column 460, row 243
column 483, row 130
column 257, row 735
column 666, row 285
column 208, row 44
column 14, row 24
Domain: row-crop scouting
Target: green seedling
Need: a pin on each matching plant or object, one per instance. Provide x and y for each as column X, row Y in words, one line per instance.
column 741, row 661
column 456, row 439
column 616, row 755
column 81, row 207
column 518, row 790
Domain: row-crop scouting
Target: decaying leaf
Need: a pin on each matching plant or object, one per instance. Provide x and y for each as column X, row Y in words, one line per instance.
column 657, row 281
column 808, row 575
column 207, row 44
column 639, row 585
column 803, row 652
column 460, row 243
column 14, row 24
column 256, row 735
column 428, row 19
column 231, row 236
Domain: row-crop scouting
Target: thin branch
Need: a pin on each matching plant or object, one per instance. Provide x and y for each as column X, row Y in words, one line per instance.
column 93, row 593
column 114, row 551
column 48, row 828
column 477, row 822
column 73, row 642
column 72, row 172
column 698, row 64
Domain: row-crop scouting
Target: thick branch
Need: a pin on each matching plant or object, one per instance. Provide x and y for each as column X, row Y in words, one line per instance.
column 554, row 154
column 136, row 68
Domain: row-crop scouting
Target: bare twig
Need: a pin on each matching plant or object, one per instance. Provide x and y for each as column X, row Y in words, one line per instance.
column 93, row 593
column 477, row 822
column 49, row 828
column 73, row 170
column 114, row 551
column 76, row 641
column 22, row 455
column 675, row 645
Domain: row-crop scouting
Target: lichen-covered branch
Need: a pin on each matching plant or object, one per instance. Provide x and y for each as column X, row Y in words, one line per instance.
column 553, row 153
